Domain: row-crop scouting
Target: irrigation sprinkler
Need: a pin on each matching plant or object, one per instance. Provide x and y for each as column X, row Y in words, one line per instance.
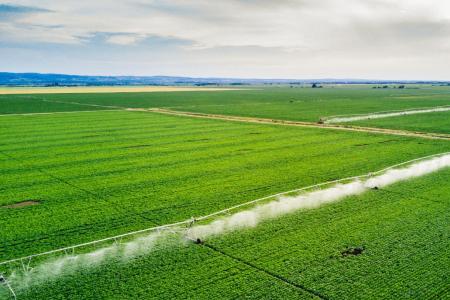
column 192, row 222
column 5, row 282
column 180, row 227
column 69, row 251
column 25, row 262
column 117, row 241
column 92, row 243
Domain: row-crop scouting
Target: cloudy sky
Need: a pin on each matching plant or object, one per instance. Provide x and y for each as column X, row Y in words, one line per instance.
column 376, row 39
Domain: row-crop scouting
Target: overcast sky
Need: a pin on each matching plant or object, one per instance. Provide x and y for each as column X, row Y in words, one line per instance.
column 374, row 39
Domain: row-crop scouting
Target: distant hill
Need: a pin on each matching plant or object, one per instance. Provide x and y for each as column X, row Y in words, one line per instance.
column 39, row 79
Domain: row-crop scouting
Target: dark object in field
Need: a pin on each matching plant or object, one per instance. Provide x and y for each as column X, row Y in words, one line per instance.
column 375, row 188
column 321, row 121
column 352, row 251
column 2, row 279
column 198, row 241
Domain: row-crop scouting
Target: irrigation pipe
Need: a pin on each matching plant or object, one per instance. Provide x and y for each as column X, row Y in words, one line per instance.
column 383, row 114
column 387, row 111
column 190, row 221
column 8, row 286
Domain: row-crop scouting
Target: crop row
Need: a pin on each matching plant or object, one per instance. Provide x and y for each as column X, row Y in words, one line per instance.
column 142, row 169
column 402, row 231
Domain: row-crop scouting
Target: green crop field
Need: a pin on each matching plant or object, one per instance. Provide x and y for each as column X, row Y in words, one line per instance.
column 92, row 174
column 111, row 172
column 11, row 104
column 298, row 104
column 303, row 104
column 405, row 236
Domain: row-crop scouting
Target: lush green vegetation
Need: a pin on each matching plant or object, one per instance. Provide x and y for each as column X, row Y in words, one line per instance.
column 19, row 104
column 304, row 104
column 403, row 230
column 103, row 173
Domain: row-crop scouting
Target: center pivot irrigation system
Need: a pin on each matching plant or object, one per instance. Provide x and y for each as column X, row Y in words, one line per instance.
column 182, row 227
column 381, row 114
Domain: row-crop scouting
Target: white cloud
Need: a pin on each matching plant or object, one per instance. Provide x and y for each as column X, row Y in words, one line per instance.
column 124, row 39
column 336, row 36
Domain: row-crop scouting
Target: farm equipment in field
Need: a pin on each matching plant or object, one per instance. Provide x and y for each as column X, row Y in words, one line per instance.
column 5, row 282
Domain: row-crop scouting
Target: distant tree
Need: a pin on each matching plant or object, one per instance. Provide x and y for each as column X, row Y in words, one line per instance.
column 314, row 85
column 401, row 86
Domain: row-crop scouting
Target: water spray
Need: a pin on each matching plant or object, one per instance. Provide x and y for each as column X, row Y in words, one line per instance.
column 379, row 115
column 314, row 199
column 139, row 243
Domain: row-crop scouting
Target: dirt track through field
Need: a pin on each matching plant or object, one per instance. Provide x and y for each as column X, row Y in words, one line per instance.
column 299, row 123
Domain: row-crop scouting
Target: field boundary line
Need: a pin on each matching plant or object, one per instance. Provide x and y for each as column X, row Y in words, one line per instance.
column 266, row 272
column 257, row 120
column 83, row 104
column 191, row 221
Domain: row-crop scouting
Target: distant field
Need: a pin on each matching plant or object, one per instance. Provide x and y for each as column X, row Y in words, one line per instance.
column 313, row 104
column 298, row 104
column 403, row 230
column 103, row 89
column 78, row 176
